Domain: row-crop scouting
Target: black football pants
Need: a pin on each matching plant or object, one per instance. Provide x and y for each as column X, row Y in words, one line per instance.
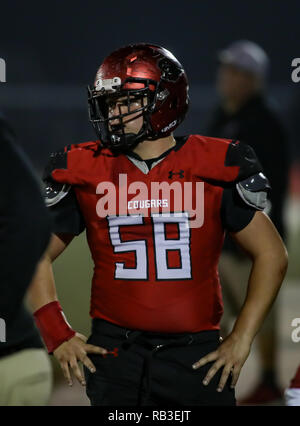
column 146, row 368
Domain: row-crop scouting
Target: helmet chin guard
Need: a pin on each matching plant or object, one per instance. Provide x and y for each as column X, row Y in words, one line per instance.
column 99, row 98
column 143, row 72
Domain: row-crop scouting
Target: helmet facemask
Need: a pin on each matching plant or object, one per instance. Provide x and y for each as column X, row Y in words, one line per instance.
column 111, row 129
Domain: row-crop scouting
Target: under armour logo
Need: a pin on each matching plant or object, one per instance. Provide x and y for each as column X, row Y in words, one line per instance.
column 180, row 173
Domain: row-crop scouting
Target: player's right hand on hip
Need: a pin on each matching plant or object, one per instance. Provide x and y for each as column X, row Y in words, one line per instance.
column 76, row 349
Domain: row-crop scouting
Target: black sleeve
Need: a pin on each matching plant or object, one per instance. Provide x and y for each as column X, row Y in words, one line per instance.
column 66, row 215
column 61, row 199
column 235, row 213
column 25, row 225
column 243, row 155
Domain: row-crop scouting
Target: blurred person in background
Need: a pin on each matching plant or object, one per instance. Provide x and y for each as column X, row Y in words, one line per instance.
column 243, row 113
column 25, row 227
column 292, row 393
column 294, row 123
column 293, row 119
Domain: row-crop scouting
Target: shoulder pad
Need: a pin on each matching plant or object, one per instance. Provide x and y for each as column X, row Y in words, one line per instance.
column 55, row 192
column 242, row 155
column 254, row 190
column 57, row 160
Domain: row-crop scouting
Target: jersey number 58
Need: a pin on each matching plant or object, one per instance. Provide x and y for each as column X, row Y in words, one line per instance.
column 162, row 246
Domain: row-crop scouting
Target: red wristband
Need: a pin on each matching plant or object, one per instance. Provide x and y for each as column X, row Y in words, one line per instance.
column 53, row 325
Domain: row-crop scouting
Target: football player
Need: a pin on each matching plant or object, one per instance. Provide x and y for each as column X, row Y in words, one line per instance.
column 155, row 208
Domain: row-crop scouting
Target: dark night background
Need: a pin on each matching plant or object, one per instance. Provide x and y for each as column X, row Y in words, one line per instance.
column 52, row 51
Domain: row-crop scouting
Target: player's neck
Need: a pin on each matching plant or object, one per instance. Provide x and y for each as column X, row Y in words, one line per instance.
column 152, row 149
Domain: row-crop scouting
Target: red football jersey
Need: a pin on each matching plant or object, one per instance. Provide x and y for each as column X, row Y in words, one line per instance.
column 156, row 236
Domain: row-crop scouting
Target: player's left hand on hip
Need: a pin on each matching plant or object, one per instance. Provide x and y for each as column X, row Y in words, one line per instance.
column 231, row 356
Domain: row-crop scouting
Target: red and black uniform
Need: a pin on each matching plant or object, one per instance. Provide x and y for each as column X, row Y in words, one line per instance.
column 153, row 272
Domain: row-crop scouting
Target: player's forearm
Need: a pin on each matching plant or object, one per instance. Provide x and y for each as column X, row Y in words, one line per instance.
column 48, row 313
column 267, row 274
column 42, row 288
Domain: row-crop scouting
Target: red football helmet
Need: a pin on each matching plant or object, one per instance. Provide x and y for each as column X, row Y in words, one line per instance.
column 144, row 72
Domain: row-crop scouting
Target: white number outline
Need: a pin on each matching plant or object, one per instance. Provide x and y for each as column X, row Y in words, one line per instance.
column 119, row 266
column 177, row 269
